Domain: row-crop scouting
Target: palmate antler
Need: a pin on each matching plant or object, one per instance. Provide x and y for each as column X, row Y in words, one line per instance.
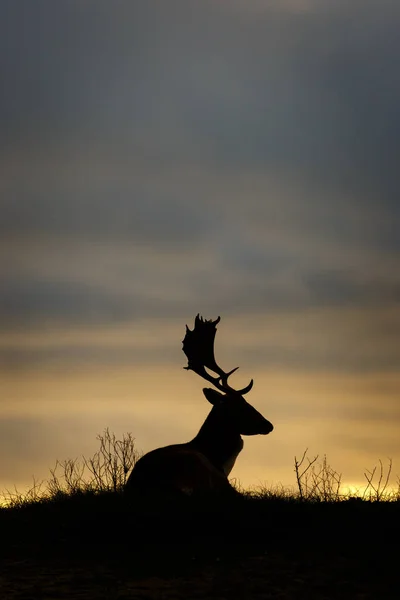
column 198, row 346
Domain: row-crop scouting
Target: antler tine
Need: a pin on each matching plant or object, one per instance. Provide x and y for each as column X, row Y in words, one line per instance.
column 198, row 345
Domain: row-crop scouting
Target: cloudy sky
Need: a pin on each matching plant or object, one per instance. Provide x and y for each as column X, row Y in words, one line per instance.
column 235, row 158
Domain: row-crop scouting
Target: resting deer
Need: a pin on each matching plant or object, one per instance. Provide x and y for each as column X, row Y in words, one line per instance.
column 203, row 465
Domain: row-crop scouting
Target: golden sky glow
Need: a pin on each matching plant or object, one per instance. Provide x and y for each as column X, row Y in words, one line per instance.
column 55, row 410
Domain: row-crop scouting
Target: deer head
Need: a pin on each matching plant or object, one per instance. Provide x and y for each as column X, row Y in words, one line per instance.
column 198, row 345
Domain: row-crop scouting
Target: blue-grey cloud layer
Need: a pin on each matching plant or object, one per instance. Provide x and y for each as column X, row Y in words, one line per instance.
column 261, row 137
column 314, row 91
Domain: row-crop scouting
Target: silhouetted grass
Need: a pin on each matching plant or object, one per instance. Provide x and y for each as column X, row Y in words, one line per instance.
column 286, row 538
column 108, row 469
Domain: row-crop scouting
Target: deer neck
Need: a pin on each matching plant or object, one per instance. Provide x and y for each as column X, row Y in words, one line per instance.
column 218, row 442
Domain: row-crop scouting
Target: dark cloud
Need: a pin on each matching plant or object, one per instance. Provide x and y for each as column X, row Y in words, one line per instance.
column 39, row 301
column 258, row 140
column 312, row 94
column 25, row 303
column 105, row 209
column 344, row 288
column 338, row 357
column 31, row 302
column 70, row 357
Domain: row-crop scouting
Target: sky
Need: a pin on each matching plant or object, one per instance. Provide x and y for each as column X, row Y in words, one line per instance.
column 163, row 159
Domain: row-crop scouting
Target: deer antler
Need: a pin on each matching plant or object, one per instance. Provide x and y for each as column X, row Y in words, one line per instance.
column 198, row 346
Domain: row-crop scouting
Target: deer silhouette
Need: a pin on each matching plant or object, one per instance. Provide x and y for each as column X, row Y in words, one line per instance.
column 203, row 464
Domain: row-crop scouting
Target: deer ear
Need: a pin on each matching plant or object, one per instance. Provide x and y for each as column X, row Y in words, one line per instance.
column 213, row 396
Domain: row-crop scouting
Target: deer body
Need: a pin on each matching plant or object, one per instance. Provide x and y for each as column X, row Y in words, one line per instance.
column 203, row 464
column 176, row 469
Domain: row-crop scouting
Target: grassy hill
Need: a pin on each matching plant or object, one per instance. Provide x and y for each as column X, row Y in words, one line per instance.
column 86, row 542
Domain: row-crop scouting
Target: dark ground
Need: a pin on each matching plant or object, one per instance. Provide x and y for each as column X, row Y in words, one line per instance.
column 103, row 547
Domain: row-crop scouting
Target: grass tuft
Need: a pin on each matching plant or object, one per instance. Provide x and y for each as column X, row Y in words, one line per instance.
column 106, row 472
